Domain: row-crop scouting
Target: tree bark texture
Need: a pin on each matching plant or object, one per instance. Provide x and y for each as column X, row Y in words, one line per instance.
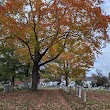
column 35, row 77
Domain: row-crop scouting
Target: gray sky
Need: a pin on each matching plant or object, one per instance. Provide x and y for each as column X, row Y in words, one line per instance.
column 103, row 61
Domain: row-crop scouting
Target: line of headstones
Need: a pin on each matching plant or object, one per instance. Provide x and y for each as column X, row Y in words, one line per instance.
column 10, row 88
column 78, row 90
column 7, row 87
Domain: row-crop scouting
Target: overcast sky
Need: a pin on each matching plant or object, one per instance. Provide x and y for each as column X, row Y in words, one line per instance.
column 103, row 61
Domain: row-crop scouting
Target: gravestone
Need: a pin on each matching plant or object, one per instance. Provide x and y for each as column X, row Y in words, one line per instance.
column 8, row 88
column 11, row 88
column 85, row 85
column 79, row 92
column 85, row 90
column 1, row 85
column 26, row 83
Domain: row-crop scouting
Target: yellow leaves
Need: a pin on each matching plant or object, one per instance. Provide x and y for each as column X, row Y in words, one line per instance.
column 52, row 52
column 54, row 69
column 67, row 55
column 79, row 51
column 22, row 51
column 24, row 54
column 32, row 37
column 54, row 49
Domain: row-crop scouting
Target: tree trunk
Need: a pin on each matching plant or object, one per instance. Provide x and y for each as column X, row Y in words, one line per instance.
column 35, row 77
column 13, row 80
column 27, row 70
column 26, row 77
column 66, row 78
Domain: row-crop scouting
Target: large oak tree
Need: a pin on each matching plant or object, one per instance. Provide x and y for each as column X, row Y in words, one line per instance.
column 41, row 25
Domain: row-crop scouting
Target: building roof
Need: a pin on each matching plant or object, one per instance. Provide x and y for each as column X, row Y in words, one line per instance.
column 1, row 8
column 18, row 82
column 89, row 78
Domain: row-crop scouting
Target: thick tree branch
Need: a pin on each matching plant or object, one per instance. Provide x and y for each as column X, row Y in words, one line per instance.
column 28, row 48
column 48, row 47
column 55, row 56
column 67, row 33
column 41, row 55
column 50, row 59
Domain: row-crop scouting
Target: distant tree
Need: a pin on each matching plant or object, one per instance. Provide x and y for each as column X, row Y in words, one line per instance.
column 100, row 80
column 10, row 66
column 73, row 63
column 107, row 84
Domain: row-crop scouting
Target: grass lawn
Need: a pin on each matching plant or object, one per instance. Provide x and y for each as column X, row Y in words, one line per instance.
column 53, row 100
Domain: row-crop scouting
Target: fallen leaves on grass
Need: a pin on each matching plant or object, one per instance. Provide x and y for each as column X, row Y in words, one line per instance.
column 53, row 100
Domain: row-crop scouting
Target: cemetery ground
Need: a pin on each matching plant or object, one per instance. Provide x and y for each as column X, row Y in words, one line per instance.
column 53, row 99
